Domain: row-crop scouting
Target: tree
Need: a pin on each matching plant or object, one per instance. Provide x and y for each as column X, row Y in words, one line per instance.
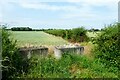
column 79, row 34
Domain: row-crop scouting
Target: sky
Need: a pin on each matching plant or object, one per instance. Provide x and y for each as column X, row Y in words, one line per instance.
column 59, row 14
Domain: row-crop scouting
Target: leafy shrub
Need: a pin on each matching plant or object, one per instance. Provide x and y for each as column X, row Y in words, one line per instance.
column 79, row 34
column 57, row 32
column 107, row 46
column 69, row 34
column 12, row 62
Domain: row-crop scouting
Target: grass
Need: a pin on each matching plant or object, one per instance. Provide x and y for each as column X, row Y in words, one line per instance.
column 69, row 66
column 28, row 38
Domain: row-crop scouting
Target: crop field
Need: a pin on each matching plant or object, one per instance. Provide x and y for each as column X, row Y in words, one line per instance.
column 28, row 38
column 93, row 34
column 38, row 38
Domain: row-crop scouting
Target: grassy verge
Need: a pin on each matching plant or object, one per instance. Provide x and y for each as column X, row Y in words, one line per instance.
column 69, row 66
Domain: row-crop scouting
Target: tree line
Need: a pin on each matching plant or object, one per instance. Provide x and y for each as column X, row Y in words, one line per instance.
column 31, row 29
column 21, row 29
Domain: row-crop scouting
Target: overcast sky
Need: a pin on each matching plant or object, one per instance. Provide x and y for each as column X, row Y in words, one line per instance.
column 59, row 13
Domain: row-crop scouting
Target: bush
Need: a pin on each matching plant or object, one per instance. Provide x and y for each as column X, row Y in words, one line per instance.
column 69, row 34
column 79, row 34
column 57, row 32
column 107, row 47
column 12, row 62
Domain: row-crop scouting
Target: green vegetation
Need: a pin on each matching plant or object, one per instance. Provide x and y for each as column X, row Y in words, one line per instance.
column 12, row 62
column 104, row 63
column 69, row 66
column 21, row 29
column 26, row 38
column 57, row 32
column 107, row 48
column 79, row 34
column 74, row 35
column 93, row 34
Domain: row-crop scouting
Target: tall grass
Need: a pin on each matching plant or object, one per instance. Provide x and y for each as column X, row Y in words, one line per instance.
column 69, row 66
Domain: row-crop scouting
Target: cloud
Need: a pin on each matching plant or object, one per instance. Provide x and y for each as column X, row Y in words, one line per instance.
column 95, row 2
column 38, row 4
column 87, row 11
column 80, row 11
column 111, row 4
column 46, row 6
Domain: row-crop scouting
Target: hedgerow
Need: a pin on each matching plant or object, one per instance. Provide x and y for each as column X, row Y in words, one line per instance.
column 107, row 48
column 74, row 35
column 12, row 62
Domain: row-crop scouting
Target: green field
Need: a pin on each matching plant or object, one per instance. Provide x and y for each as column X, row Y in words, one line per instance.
column 93, row 34
column 36, row 38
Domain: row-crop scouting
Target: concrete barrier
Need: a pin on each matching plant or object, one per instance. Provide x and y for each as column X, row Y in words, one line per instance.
column 27, row 52
column 59, row 50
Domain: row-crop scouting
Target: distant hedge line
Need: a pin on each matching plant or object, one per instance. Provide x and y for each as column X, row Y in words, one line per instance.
column 73, row 35
column 26, row 29
column 30, row 29
column 21, row 29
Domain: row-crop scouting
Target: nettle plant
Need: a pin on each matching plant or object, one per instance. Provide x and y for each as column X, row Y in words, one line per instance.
column 107, row 49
